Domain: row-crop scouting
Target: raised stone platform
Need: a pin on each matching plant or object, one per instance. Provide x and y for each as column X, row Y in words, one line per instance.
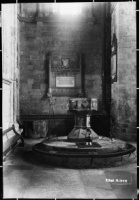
column 103, row 152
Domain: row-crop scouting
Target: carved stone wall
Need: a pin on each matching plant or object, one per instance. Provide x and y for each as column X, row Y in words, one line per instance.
column 123, row 24
column 64, row 38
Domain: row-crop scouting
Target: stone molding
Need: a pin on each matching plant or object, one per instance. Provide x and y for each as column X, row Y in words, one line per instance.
column 44, row 117
column 51, row 19
column 47, row 116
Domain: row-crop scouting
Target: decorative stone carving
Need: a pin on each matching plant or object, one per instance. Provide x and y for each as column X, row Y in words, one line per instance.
column 82, row 108
column 65, row 91
column 40, row 128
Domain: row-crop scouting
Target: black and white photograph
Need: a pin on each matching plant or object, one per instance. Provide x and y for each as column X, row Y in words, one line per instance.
column 69, row 104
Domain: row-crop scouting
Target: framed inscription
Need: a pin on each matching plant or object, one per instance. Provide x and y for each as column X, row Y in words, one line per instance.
column 65, row 81
column 113, row 68
column 65, row 76
column 114, row 59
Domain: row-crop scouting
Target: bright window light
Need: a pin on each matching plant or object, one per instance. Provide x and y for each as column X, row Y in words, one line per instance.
column 68, row 8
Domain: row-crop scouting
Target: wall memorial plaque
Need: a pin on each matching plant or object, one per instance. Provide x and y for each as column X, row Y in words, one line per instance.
column 64, row 81
column 114, row 59
column 65, row 77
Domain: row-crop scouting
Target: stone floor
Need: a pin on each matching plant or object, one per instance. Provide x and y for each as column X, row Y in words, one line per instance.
column 24, row 177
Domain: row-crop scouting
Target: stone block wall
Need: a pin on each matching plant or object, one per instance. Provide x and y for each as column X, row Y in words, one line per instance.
column 64, row 39
column 123, row 24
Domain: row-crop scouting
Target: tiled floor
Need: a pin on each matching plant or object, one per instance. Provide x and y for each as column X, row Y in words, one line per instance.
column 24, row 177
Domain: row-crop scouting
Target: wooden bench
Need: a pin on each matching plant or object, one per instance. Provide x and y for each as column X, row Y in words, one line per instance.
column 11, row 139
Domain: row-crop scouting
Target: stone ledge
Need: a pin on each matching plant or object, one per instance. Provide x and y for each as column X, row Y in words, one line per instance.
column 65, row 154
column 68, row 162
